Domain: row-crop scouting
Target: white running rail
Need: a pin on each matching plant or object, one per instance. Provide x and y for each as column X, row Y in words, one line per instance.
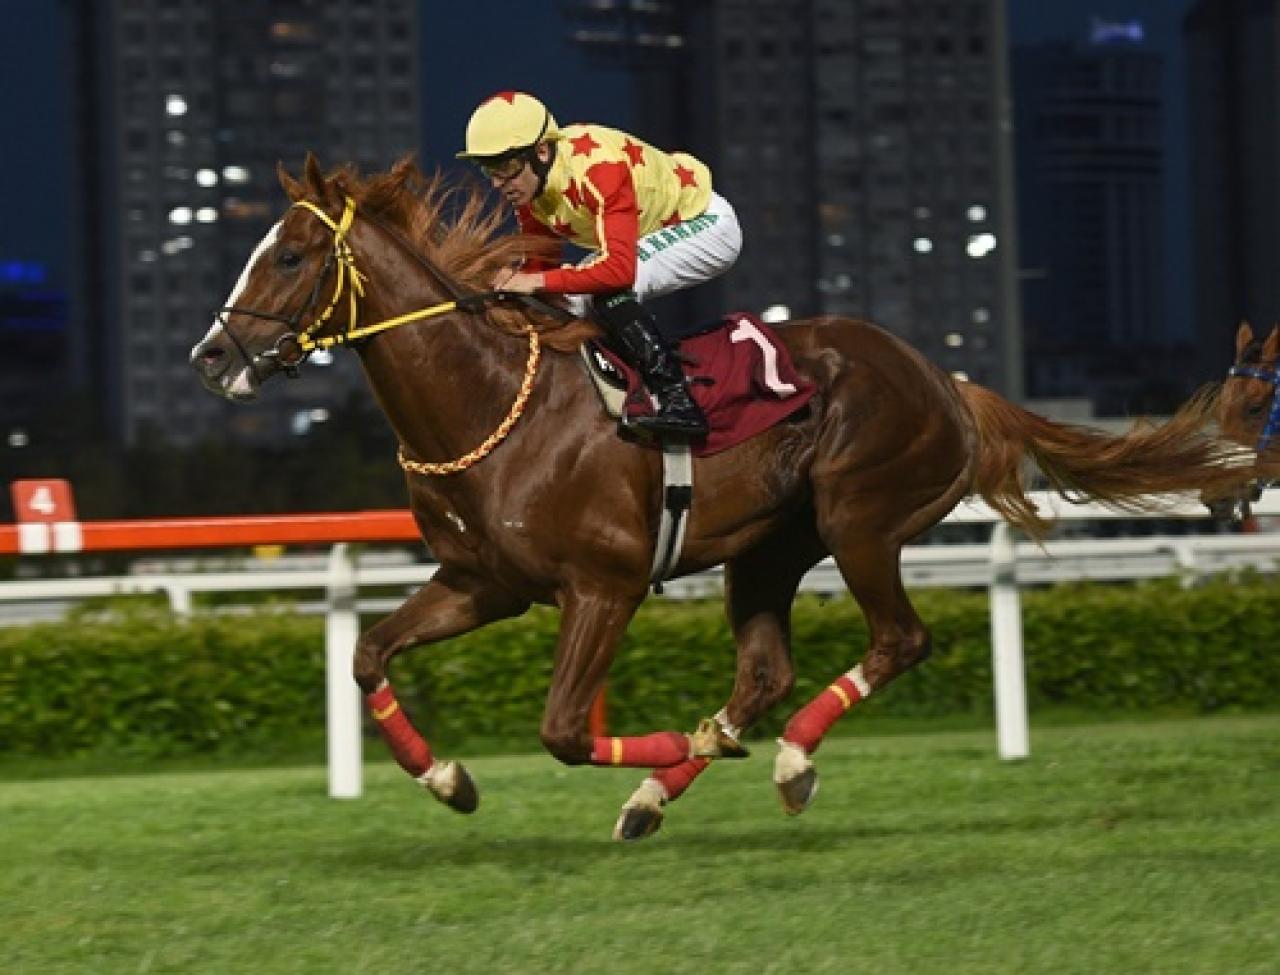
column 1002, row 566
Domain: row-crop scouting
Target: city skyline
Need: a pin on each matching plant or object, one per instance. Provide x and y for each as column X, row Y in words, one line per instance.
column 455, row 77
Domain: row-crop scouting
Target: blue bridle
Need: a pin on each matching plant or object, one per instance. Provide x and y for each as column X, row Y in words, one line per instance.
column 1273, row 419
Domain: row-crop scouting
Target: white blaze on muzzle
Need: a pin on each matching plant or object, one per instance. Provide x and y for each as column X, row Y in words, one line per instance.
column 238, row 383
column 243, row 281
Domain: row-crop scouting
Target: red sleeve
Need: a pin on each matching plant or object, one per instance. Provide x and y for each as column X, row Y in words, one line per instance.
column 611, row 195
column 529, row 224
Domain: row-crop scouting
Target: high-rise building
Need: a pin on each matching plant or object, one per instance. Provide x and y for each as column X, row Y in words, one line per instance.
column 1091, row 215
column 865, row 145
column 1233, row 66
column 184, row 109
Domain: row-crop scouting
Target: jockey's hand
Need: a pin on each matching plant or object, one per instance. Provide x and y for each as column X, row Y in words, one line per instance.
column 520, row 282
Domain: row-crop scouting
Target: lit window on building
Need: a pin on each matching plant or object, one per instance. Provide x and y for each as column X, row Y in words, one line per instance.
column 291, row 30
column 980, row 245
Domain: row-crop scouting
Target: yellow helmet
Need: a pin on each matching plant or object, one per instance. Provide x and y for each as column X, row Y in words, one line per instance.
column 508, row 121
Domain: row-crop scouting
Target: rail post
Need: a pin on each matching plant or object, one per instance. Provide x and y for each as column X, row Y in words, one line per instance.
column 179, row 598
column 342, row 629
column 1006, row 646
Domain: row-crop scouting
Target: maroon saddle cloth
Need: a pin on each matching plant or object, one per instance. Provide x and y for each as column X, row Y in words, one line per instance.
column 739, row 374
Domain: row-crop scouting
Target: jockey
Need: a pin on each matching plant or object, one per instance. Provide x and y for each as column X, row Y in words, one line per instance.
column 649, row 219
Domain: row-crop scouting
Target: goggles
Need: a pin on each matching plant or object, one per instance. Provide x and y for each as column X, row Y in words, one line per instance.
column 503, row 169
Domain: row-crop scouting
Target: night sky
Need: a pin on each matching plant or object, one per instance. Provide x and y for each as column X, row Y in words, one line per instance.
column 469, row 51
column 33, row 160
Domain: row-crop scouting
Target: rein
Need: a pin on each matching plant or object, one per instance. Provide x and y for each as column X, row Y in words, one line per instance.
column 352, row 280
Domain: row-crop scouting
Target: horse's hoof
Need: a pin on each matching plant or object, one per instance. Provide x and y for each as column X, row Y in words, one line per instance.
column 452, row 784
column 797, row 794
column 642, row 814
column 636, row 823
column 795, row 777
column 712, row 741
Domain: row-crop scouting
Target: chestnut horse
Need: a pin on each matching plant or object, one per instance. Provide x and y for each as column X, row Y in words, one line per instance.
column 525, row 493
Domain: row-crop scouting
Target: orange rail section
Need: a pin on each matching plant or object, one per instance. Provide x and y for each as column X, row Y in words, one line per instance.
column 395, row 525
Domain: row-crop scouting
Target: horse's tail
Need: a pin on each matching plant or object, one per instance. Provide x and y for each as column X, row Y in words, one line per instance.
column 1126, row 472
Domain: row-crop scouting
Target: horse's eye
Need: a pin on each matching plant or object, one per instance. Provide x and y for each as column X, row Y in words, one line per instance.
column 1255, row 409
column 289, row 260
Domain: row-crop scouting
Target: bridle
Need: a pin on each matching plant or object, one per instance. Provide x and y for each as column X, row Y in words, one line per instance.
column 1272, row 426
column 294, row 347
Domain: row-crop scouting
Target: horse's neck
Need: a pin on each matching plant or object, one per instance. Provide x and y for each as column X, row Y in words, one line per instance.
column 446, row 383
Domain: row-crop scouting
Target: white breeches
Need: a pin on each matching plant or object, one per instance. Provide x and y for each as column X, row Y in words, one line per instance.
column 688, row 253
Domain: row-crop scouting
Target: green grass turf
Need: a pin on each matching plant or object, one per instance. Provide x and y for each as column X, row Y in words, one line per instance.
column 1125, row 848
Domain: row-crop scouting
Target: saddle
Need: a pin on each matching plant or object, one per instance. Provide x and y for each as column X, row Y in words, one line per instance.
column 738, row 372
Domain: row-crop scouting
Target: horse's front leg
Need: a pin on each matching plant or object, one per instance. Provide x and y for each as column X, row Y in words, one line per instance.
column 450, row 604
column 591, row 626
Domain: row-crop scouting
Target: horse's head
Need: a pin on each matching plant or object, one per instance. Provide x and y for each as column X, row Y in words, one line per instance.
column 290, row 293
column 1248, row 409
column 1248, row 413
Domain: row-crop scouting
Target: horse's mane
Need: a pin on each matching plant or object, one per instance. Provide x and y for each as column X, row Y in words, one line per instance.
column 463, row 231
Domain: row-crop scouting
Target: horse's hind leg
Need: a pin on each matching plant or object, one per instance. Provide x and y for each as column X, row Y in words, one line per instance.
column 760, row 587
column 448, row 605
column 898, row 641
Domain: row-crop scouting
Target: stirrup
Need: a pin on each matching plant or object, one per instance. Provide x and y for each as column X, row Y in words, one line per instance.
column 672, row 424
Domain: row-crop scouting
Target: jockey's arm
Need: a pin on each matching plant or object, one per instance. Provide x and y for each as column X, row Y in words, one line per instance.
column 526, row 278
column 609, row 194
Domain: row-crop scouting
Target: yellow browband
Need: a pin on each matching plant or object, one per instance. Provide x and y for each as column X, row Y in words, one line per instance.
column 348, row 272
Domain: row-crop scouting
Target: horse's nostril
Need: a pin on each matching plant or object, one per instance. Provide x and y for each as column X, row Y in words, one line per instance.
column 209, row 360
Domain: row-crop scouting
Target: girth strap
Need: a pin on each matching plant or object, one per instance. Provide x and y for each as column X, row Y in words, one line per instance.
column 677, row 499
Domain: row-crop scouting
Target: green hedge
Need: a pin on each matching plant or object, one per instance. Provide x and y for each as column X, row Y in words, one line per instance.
column 137, row 682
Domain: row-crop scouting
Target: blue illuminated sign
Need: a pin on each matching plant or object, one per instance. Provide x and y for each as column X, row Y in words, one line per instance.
column 1116, row 32
column 23, row 272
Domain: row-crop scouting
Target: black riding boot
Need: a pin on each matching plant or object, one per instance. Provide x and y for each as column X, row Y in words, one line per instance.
column 634, row 328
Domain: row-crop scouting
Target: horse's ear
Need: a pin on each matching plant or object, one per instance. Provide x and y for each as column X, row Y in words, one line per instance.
column 292, row 188
column 1271, row 347
column 314, row 176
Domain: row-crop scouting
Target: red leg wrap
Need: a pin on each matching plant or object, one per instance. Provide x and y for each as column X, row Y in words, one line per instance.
column 658, row 750
column 808, row 726
column 409, row 748
column 677, row 778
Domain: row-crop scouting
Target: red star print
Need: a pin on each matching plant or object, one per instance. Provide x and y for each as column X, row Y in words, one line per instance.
column 634, row 152
column 562, row 228
column 507, row 96
column 573, row 194
column 584, row 145
column 685, row 176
